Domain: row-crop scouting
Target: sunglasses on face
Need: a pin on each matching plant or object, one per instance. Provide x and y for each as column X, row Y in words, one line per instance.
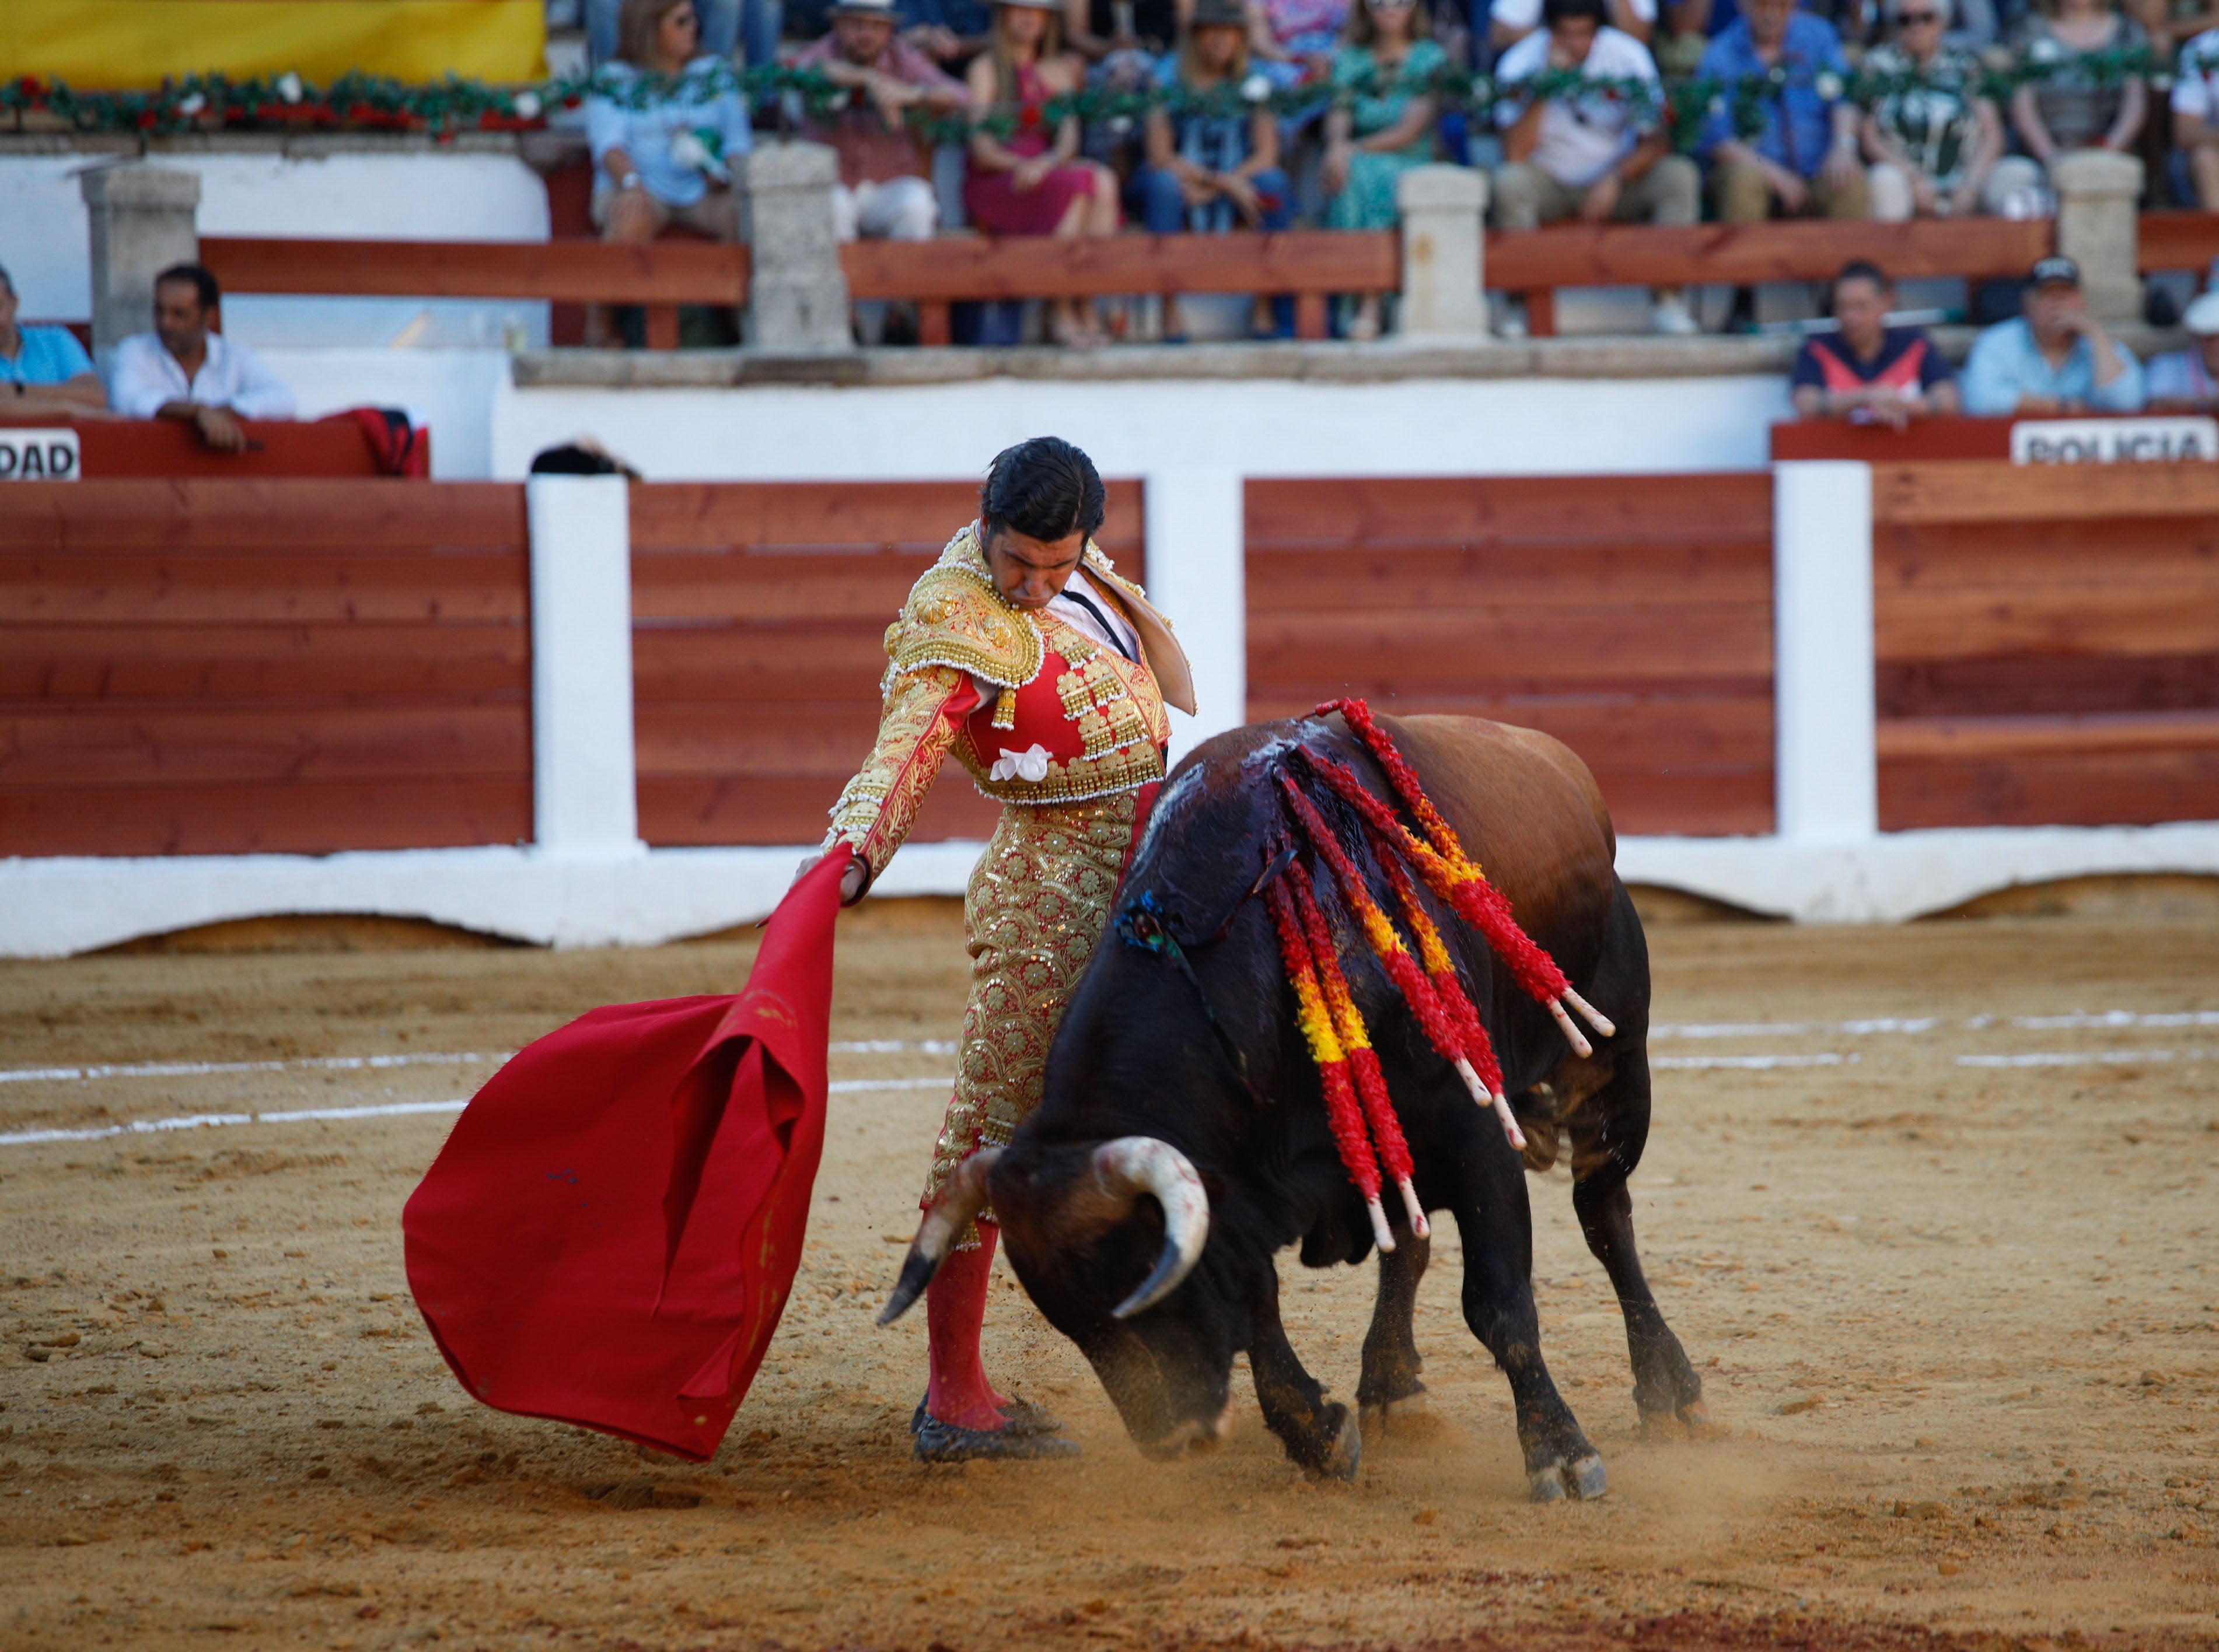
column 1916, row 19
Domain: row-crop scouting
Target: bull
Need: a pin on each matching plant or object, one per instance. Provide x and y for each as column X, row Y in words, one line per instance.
column 1182, row 1142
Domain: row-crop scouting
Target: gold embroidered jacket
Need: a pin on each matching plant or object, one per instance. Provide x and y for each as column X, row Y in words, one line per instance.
column 1065, row 719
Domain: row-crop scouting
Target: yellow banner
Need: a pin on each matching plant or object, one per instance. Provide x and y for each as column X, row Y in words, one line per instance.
column 122, row 44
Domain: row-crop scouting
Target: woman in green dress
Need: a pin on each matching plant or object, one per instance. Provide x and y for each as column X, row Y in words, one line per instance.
column 1382, row 123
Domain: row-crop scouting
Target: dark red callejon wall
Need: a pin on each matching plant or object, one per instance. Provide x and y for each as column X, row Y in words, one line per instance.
column 194, row 666
column 759, row 619
column 1631, row 616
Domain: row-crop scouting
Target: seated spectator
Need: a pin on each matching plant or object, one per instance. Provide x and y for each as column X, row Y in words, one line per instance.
column 1208, row 173
column 1869, row 372
column 1032, row 181
column 2073, row 105
column 670, row 161
column 721, row 26
column 884, row 192
column 2196, row 120
column 1936, row 144
column 1511, row 20
column 1301, row 34
column 2055, row 358
column 2170, row 23
column 1802, row 162
column 44, row 371
column 2187, row 381
column 185, row 369
column 1386, row 73
column 1100, row 29
column 1595, row 157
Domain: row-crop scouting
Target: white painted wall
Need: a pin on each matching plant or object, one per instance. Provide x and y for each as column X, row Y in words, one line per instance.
column 453, row 393
column 400, row 195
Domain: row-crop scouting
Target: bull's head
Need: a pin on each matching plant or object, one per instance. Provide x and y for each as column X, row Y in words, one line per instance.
column 1088, row 1226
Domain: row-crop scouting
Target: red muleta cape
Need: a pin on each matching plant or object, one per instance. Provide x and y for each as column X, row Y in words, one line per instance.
column 608, row 1237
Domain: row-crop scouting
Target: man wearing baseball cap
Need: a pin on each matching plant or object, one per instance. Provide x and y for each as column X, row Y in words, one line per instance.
column 2054, row 358
column 2187, row 381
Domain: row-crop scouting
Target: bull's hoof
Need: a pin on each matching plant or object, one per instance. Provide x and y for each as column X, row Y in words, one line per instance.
column 1380, row 1413
column 1697, row 1416
column 1547, row 1484
column 1583, row 1478
column 1346, row 1454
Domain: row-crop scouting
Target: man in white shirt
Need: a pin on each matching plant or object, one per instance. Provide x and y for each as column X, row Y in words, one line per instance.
column 1511, row 21
column 2196, row 114
column 184, row 370
column 1599, row 156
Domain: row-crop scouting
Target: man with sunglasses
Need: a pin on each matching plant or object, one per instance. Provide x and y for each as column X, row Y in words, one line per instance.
column 1936, row 144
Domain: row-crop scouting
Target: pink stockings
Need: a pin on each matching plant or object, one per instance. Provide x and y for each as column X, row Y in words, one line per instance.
column 956, row 1312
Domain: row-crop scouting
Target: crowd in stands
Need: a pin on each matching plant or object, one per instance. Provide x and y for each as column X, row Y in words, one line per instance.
column 1868, row 109
column 2053, row 358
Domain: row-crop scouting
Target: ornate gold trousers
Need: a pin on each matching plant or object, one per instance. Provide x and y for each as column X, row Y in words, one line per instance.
column 1037, row 903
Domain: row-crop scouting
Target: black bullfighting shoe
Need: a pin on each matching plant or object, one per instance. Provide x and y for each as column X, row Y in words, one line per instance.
column 1025, row 1418
column 938, row 1441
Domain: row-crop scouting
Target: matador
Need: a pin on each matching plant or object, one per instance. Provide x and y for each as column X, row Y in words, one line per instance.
column 1024, row 654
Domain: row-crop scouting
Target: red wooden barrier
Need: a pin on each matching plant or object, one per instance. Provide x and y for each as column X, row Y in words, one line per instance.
column 1629, row 616
column 111, row 448
column 235, row 667
column 2048, row 645
column 759, row 614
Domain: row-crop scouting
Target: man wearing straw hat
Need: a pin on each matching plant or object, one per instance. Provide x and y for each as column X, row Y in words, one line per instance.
column 1023, row 654
column 883, row 193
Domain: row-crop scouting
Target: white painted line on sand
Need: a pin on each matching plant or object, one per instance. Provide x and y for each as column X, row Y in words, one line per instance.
column 1795, row 1028
column 2121, row 1018
column 2080, row 1058
column 1754, row 1063
column 198, row 1069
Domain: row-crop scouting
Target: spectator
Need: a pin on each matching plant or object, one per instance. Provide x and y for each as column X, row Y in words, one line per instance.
column 1803, row 161
column 722, row 23
column 1209, row 172
column 2170, row 23
column 1100, row 28
column 2187, row 381
column 1595, row 157
column 1031, row 182
column 45, row 372
column 1511, row 21
column 2073, row 106
column 1936, row 144
column 950, row 32
column 1386, row 71
column 1869, row 372
column 1302, row 34
column 670, row 161
column 884, row 193
column 2196, row 120
column 185, row 369
column 2055, row 358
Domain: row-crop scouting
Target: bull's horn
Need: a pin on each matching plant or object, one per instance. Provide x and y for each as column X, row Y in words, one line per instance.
column 1132, row 1166
column 963, row 1198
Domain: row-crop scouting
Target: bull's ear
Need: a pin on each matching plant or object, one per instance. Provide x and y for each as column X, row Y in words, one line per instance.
column 959, row 1204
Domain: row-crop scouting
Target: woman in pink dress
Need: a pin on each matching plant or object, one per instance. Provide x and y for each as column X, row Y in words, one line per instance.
column 1031, row 182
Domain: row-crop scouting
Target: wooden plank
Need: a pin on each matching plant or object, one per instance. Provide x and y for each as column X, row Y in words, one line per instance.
column 1972, row 492
column 281, row 517
column 585, row 272
column 2136, row 788
column 1980, row 738
column 1705, row 804
column 1418, row 652
column 730, row 667
column 2016, row 558
column 2176, row 240
column 1643, row 255
column 1311, row 322
column 1041, row 266
column 936, row 326
column 275, row 818
column 681, row 809
column 1617, row 732
column 169, row 589
column 2047, row 684
column 824, row 740
column 1334, row 513
column 109, row 663
column 662, row 326
column 1495, row 572
column 826, row 592
column 79, row 748
column 2146, row 617
column 110, row 448
column 1541, row 314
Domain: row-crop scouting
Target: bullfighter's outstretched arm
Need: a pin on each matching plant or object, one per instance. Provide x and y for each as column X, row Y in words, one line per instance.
column 923, row 711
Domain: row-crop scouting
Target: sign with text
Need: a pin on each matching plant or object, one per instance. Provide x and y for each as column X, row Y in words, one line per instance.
column 28, row 455
column 2113, row 441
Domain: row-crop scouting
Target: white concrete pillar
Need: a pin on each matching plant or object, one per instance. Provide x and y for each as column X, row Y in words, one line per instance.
column 584, row 784
column 1443, row 251
column 1826, row 775
column 2098, row 191
column 797, row 291
column 1197, row 578
column 143, row 219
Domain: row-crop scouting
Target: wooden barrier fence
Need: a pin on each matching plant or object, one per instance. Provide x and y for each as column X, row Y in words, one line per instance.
column 234, row 666
column 1629, row 616
column 758, row 616
column 2047, row 643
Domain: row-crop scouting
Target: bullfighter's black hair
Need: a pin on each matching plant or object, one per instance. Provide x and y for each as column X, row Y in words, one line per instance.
column 1044, row 488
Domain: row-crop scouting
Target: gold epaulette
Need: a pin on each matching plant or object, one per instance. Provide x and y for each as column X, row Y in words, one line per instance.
column 954, row 616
